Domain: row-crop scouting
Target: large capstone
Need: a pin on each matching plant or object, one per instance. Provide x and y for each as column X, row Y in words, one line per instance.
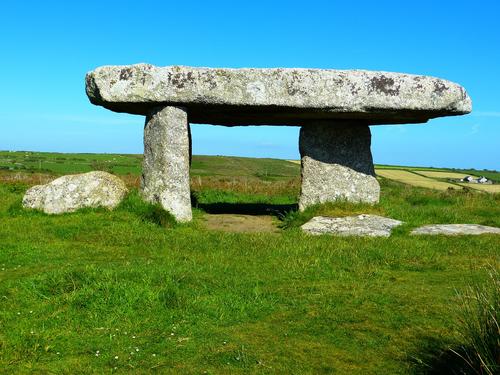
column 337, row 164
column 165, row 170
column 72, row 192
column 276, row 96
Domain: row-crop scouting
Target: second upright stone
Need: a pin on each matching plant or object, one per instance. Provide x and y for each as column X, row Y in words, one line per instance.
column 336, row 164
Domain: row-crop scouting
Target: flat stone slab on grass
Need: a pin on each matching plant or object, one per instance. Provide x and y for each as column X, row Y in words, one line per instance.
column 72, row 192
column 276, row 96
column 360, row 225
column 455, row 229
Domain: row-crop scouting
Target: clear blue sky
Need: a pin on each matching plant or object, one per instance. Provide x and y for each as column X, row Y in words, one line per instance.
column 48, row 46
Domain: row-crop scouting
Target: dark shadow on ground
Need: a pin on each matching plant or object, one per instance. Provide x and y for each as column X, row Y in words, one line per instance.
column 435, row 357
column 278, row 210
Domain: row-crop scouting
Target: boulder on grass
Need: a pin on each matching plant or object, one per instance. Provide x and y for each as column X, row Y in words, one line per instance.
column 72, row 192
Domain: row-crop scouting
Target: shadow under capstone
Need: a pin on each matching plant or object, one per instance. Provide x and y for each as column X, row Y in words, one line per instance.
column 278, row 210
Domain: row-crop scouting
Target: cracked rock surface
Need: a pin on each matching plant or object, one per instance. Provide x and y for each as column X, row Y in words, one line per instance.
column 281, row 96
column 336, row 164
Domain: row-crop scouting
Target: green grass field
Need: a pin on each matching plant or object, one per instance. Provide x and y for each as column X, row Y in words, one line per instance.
column 129, row 291
column 55, row 163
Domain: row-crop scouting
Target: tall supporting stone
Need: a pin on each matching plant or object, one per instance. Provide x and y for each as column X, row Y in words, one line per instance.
column 336, row 164
column 165, row 172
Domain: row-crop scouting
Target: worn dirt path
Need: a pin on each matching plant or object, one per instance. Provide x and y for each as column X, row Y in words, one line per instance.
column 241, row 223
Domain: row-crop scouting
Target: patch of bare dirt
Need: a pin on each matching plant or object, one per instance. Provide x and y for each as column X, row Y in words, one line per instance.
column 241, row 223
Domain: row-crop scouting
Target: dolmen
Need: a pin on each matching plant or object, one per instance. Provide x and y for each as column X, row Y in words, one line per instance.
column 334, row 109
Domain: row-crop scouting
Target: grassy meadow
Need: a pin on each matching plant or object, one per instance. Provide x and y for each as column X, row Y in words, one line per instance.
column 131, row 291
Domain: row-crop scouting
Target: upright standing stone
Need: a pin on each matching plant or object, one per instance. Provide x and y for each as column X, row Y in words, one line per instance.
column 336, row 164
column 165, row 173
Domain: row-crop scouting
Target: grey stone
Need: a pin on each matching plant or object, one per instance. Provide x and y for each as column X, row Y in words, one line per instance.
column 165, row 172
column 72, row 192
column 336, row 164
column 333, row 107
column 455, row 229
column 276, row 96
column 360, row 225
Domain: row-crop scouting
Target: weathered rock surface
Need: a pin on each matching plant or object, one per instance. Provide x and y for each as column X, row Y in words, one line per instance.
column 455, row 229
column 360, row 225
column 334, row 108
column 336, row 164
column 72, row 192
column 165, row 170
column 276, row 96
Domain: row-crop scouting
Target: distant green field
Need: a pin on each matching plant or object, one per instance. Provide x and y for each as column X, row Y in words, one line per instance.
column 443, row 175
column 267, row 169
column 492, row 175
column 131, row 164
column 58, row 163
column 122, row 164
column 487, row 188
column 414, row 179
